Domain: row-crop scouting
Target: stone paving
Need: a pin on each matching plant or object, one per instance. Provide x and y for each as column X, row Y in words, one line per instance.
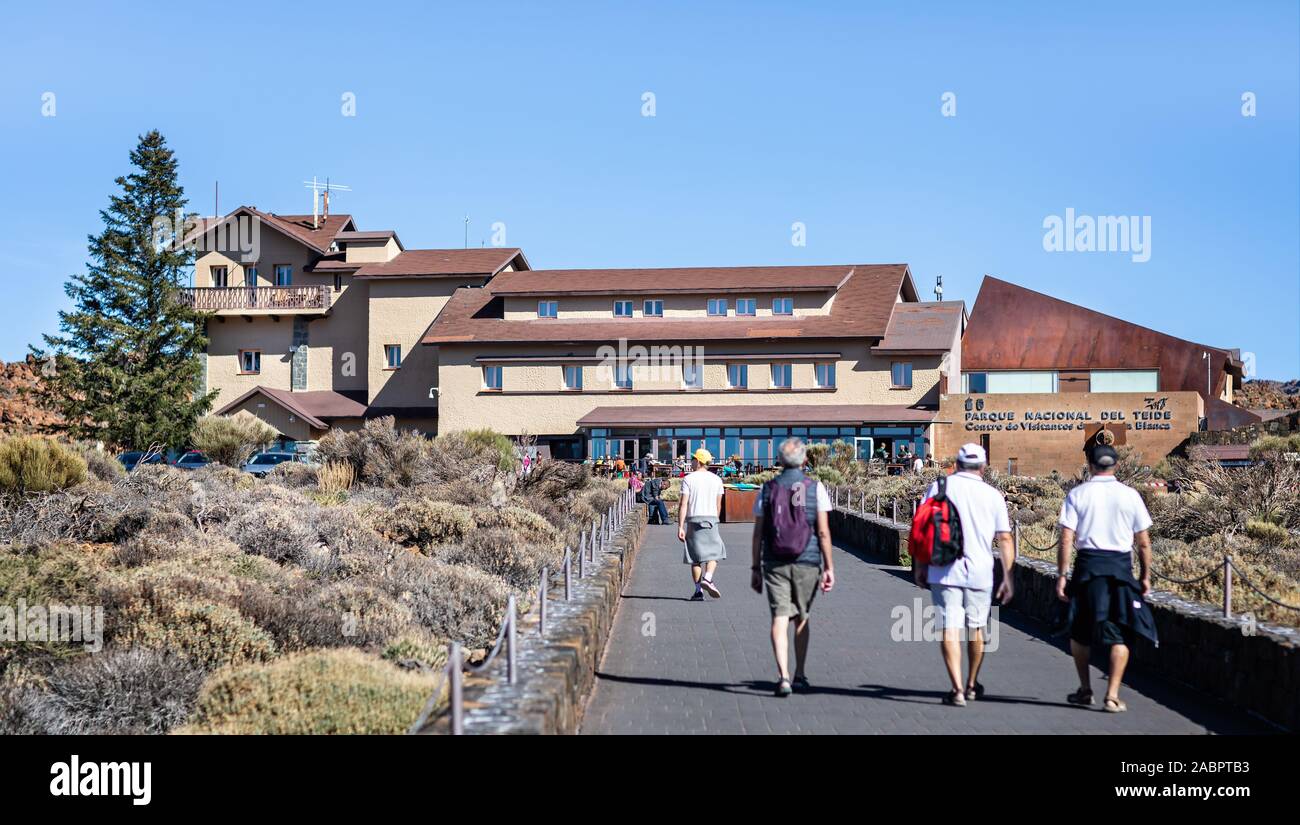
column 675, row 666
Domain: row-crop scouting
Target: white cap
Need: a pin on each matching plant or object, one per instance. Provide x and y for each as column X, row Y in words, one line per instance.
column 971, row 454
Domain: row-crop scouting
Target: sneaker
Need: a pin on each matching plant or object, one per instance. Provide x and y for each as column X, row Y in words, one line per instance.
column 800, row 684
column 698, row 596
column 955, row 698
column 711, row 588
column 783, row 688
column 974, row 693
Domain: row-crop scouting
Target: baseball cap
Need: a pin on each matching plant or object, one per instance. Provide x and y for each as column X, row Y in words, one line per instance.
column 972, row 454
column 1103, row 455
column 703, row 456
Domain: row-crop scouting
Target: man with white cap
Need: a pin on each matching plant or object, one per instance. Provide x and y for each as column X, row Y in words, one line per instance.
column 963, row 588
column 699, row 512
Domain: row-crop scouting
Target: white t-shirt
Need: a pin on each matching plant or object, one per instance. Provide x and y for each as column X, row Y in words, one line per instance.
column 823, row 501
column 983, row 513
column 701, row 490
column 1104, row 513
column 917, row 464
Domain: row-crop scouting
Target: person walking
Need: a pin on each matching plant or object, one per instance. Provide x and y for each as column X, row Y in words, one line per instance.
column 792, row 556
column 918, row 465
column 963, row 588
column 1103, row 519
column 698, row 515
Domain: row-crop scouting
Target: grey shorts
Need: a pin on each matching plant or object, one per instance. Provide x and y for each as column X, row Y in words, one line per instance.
column 791, row 588
column 962, row 606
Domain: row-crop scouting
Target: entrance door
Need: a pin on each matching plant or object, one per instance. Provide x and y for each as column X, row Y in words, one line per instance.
column 863, row 447
column 629, row 450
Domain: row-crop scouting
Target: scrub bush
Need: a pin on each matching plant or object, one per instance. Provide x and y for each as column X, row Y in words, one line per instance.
column 230, row 440
column 30, row 464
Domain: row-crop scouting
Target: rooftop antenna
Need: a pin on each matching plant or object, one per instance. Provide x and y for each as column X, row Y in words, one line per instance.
column 938, row 287
column 216, row 198
column 467, row 231
column 317, row 188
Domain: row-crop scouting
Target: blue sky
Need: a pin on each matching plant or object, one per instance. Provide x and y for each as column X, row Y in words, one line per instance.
column 765, row 114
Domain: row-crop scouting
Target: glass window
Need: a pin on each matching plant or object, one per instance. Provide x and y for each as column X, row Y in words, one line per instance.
column 717, row 306
column 250, row 276
column 393, row 355
column 283, row 275
column 548, row 309
column 783, row 306
column 900, row 375
column 738, row 376
column 1019, row 381
column 573, row 378
column 746, row 306
column 976, row 382
column 781, row 375
column 653, row 309
column 825, row 375
column 693, row 374
column 492, row 378
column 622, row 309
column 623, row 376
column 220, row 276
column 1124, row 381
column 250, row 361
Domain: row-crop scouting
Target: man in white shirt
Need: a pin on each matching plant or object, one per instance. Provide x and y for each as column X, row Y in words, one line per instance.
column 963, row 590
column 698, row 516
column 1103, row 518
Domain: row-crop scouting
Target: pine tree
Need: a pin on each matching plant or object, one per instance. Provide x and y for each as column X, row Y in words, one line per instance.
column 126, row 366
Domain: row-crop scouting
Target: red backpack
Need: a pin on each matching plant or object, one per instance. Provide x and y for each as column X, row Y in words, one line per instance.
column 936, row 529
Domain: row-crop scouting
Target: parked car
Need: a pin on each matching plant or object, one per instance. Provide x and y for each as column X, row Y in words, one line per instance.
column 263, row 463
column 133, row 458
column 193, row 460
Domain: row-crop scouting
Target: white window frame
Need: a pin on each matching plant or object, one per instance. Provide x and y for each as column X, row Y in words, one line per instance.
column 571, row 386
column 388, row 361
column 787, row 372
column 751, row 302
column 693, row 367
column 780, row 304
column 548, row 309
column 894, row 385
column 631, row 308
column 713, row 302
column 652, row 308
column 827, row 367
column 623, row 369
column 224, row 277
column 744, row 374
column 257, row 359
column 490, row 370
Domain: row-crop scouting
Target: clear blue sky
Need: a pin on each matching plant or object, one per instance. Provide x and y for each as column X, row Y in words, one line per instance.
column 766, row 114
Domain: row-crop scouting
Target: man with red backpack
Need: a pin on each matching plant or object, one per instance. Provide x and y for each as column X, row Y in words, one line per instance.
column 792, row 555
column 951, row 545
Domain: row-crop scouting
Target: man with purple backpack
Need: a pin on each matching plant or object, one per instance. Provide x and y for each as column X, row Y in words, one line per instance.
column 792, row 554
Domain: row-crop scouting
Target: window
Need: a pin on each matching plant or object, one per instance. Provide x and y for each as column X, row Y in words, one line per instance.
column 220, row 276
column 746, row 306
column 573, row 378
column 623, row 377
column 492, row 378
column 738, row 376
column 783, row 306
column 338, row 281
column 693, row 374
column 718, row 306
column 1019, row 381
column 825, row 374
column 977, row 382
column 653, row 309
column 250, row 361
column 622, row 309
column 392, row 356
column 283, row 275
column 1124, row 381
column 781, row 376
column 548, row 309
column 900, row 375
column 250, row 276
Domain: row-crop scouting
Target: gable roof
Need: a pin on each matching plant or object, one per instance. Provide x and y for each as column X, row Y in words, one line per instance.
column 414, row 263
column 312, row 407
column 296, row 227
column 861, row 308
column 1012, row 327
column 929, row 326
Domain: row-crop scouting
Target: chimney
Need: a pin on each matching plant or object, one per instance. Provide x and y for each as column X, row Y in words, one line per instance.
column 326, row 201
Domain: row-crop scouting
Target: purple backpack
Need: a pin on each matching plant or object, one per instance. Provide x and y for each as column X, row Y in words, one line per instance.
column 787, row 527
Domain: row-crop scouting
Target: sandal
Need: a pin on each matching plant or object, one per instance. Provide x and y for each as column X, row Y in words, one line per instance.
column 1114, row 705
column 956, row 698
column 1082, row 696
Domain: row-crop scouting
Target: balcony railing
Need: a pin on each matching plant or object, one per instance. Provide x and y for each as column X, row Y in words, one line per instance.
column 261, row 298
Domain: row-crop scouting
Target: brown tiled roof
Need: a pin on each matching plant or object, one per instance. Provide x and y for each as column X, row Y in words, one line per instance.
column 861, row 309
column 298, row 227
column 334, row 262
column 709, row 279
column 923, row 327
column 311, row 407
column 375, row 235
column 757, row 414
column 485, row 262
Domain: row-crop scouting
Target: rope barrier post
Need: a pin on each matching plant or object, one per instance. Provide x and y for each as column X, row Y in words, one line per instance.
column 894, row 512
column 582, row 561
column 568, row 574
column 1015, row 538
column 541, row 604
column 1227, row 587
column 512, row 648
column 454, row 676
column 877, row 505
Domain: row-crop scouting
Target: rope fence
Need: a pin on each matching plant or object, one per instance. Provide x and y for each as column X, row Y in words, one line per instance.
column 452, row 674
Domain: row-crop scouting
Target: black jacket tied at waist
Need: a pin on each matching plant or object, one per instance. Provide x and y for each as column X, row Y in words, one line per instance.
column 1105, row 581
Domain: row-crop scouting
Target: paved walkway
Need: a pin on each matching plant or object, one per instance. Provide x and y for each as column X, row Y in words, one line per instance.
column 675, row 666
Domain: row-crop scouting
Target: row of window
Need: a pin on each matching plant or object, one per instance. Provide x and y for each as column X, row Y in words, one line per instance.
column 250, row 360
column 654, row 307
column 781, row 377
column 221, row 275
column 1049, row 381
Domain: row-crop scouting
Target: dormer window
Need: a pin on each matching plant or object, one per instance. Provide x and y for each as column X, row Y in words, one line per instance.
column 220, row 276
column 283, row 275
column 250, row 276
column 548, row 309
column 746, row 306
column 718, row 307
column 783, row 306
column 653, row 309
column 622, row 309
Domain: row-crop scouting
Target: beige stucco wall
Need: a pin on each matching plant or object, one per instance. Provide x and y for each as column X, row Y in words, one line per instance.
column 371, row 251
column 675, row 306
column 284, row 422
column 532, row 400
column 273, row 248
column 227, row 336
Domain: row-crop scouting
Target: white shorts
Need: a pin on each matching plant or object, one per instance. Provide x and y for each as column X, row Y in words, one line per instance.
column 962, row 606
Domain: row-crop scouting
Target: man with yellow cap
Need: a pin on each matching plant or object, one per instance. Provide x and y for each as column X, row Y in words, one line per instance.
column 698, row 517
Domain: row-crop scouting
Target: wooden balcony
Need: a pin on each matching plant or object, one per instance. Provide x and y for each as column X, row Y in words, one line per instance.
column 260, row 300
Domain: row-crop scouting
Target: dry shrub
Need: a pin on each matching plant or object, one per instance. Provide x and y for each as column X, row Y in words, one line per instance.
column 230, row 440
column 335, row 477
column 452, row 601
column 276, row 528
column 361, row 613
column 46, row 574
column 100, row 464
column 501, row 553
column 526, row 526
column 31, row 464
column 316, row 692
column 132, row 691
column 378, row 453
column 416, row 650
column 422, row 523
column 294, row 475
